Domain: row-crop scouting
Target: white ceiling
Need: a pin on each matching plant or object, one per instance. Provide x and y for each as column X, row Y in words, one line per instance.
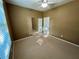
column 34, row 4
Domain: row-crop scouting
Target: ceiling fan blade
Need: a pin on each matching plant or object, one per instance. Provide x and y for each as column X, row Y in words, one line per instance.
column 38, row 2
column 51, row 2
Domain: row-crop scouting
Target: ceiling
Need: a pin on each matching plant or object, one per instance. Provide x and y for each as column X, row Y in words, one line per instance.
column 35, row 4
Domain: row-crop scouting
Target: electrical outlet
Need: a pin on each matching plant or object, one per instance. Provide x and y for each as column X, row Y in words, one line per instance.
column 61, row 35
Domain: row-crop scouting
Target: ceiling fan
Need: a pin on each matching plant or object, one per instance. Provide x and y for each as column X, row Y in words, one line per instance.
column 45, row 3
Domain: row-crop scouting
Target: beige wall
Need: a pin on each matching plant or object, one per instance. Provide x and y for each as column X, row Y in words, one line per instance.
column 20, row 19
column 65, row 21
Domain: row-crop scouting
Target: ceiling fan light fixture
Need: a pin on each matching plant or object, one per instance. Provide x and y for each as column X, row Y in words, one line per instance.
column 44, row 4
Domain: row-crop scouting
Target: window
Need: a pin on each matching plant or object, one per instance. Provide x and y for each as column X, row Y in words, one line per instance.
column 5, row 41
column 40, row 25
column 43, row 25
column 46, row 26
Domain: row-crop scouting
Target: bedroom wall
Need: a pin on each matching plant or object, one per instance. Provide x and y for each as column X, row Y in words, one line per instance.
column 65, row 21
column 21, row 20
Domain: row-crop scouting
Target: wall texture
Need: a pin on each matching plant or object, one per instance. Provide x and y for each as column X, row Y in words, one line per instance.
column 21, row 20
column 65, row 21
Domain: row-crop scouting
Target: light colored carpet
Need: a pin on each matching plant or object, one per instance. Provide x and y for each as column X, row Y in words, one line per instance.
column 36, row 47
